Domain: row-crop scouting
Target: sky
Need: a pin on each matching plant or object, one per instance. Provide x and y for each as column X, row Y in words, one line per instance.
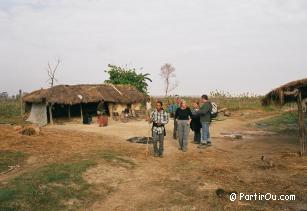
column 236, row 46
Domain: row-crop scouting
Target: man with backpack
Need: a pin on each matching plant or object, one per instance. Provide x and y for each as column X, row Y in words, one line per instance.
column 205, row 119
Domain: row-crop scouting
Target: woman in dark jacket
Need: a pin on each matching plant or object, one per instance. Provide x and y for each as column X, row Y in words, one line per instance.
column 195, row 124
column 183, row 117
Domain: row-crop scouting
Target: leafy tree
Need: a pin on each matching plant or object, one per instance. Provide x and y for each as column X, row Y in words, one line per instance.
column 120, row 75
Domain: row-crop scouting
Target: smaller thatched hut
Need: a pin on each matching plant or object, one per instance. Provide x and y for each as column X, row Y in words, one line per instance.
column 295, row 91
column 74, row 100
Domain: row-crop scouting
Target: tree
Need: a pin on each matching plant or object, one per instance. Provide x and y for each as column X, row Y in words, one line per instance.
column 120, row 75
column 51, row 72
column 167, row 72
column 4, row 96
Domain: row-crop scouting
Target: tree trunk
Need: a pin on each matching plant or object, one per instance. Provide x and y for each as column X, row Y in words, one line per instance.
column 21, row 106
column 301, row 124
column 81, row 112
column 50, row 113
column 69, row 112
column 167, row 86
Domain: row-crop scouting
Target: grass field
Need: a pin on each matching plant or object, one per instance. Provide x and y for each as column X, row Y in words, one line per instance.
column 10, row 112
column 286, row 122
column 10, row 158
column 57, row 186
column 226, row 100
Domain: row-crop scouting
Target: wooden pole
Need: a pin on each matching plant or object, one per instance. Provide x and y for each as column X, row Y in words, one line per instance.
column 21, row 105
column 81, row 113
column 69, row 112
column 20, row 95
column 281, row 97
column 301, row 124
column 111, row 109
column 50, row 113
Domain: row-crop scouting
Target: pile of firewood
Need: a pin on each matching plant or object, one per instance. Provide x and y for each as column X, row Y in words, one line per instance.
column 28, row 130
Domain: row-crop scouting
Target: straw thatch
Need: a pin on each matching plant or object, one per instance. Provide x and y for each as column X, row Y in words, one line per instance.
column 281, row 95
column 68, row 94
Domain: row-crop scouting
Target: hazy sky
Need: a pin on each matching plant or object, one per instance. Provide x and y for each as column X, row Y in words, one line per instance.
column 236, row 46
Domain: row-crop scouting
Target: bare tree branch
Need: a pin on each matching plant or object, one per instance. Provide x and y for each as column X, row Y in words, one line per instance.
column 51, row 72
column 167, row 72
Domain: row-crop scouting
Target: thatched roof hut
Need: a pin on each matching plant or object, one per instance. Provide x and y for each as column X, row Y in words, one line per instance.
column 295, row 91
column 69, row 94
column 286, row 93
column 72, row 100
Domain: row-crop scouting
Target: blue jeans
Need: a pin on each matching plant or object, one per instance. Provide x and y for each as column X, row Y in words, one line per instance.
column 205, row 138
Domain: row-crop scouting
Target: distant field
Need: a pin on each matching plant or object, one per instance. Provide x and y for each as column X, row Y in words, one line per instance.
column 225, row 100
column 9, row 111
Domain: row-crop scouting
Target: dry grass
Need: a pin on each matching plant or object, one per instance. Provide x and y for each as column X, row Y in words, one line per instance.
column 10, row 112
column 245, row 101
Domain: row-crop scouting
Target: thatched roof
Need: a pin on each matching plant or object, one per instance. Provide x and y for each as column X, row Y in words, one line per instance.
column 279, row 95
column 68, row 94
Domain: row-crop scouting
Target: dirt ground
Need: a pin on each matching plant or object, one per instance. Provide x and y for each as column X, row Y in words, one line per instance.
column 179, row 180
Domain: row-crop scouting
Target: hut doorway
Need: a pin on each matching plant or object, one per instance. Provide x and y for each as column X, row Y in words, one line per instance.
column 71, row 111
column 91, row 108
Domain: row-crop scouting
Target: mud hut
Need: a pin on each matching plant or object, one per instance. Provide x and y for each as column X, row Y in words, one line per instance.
column 74, row 100
column 292, row 92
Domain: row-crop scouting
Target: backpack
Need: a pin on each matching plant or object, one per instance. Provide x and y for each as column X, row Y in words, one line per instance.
column 214, row 110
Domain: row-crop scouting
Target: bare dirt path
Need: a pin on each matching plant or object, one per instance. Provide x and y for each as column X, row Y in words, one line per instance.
column 187, row 181
column 179, row 181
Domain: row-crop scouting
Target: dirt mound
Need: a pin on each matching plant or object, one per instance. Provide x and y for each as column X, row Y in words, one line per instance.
column 30, row 131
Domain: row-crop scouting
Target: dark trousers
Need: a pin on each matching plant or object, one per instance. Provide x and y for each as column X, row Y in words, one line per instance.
column 158, row 139
column 175, row 131
column 197, row 135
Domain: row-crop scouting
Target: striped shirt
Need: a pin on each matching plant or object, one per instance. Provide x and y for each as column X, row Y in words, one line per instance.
column 159, row 117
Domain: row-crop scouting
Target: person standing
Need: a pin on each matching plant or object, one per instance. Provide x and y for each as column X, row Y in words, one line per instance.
column 159, row 118
column 205, row 119
column 195, row 123
column 183, row 118
column 148, row 108
column 101, row 112
column 174, row 108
